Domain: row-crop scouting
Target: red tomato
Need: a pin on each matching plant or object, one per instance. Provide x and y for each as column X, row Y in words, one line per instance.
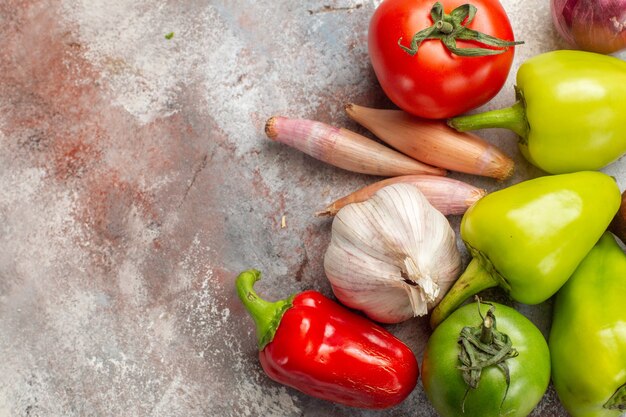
column 436, row 83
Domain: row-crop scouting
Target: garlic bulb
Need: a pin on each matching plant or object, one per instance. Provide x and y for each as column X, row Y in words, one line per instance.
column 393, row 256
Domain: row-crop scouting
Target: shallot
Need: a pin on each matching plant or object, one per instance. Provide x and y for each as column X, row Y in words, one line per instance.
column 344, row 148
column 433, row 142
column 449, row 196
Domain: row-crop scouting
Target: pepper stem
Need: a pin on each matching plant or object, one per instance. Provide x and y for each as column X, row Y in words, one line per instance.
column 472, row 281
column 266, row 315
column 512, row 118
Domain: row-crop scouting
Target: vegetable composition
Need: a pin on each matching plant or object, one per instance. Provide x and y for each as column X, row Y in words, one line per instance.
column 588, row 335
column 530, row 237
column 316, row 346
column 569, row 114
column 437, row 60
column 591, row 25
column 392, row 256
column 433, row 142
column 618, row 225
column 447, row 195
column 343, row 148
column 486, row 360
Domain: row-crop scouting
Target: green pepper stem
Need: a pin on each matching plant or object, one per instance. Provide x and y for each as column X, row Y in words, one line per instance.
column 512, row 118
column 472, row 281
column 266, row 315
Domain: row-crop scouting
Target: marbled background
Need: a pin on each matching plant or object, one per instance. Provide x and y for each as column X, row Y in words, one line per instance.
column 136, row 182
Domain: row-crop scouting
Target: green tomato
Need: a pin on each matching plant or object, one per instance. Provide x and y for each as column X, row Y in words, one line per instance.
column 588, row 335
column 529, row 369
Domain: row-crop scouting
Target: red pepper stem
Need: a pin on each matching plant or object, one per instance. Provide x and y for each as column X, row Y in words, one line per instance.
column 475, row 279
column 512, row 118
column 266, row 315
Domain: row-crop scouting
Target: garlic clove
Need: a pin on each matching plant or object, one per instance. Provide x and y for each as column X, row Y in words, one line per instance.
column 393, row 256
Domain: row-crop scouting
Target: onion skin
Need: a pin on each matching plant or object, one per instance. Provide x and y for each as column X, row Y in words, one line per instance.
column 591, row 25
column 618, row 225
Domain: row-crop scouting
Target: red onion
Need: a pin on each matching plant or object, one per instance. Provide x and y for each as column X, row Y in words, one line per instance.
column 591, row 25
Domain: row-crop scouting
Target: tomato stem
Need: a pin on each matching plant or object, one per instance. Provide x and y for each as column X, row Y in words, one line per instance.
column 481, row 347
column 449, row 28
column 266, row 315
column 444, row 27
column 486, row 332
column 512, row 118
column 475, row 279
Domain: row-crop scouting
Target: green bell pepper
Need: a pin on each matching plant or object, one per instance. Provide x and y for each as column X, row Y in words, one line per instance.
column 569, row 114
column 530, row 237
column 588, row 335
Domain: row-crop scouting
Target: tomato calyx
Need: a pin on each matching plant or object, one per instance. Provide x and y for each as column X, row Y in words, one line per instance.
column 483, row 346
column 452, row 27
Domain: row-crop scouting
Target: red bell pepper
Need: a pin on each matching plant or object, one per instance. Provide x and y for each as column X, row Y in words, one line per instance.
column 316, row 346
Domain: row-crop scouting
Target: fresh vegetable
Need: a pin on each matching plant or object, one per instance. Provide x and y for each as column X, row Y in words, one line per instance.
column 592, row 25
column 618, row 225
column 344, row 149
column 486, row 363
column 316, row 346
column 392, row 256
column 588, row 335
column 530, row 237
column 433, row 142
column 437, row 60
column 447, row 195
column 569, row 114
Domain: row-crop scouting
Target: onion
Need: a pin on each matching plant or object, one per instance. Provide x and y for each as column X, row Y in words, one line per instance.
column 591, row 25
